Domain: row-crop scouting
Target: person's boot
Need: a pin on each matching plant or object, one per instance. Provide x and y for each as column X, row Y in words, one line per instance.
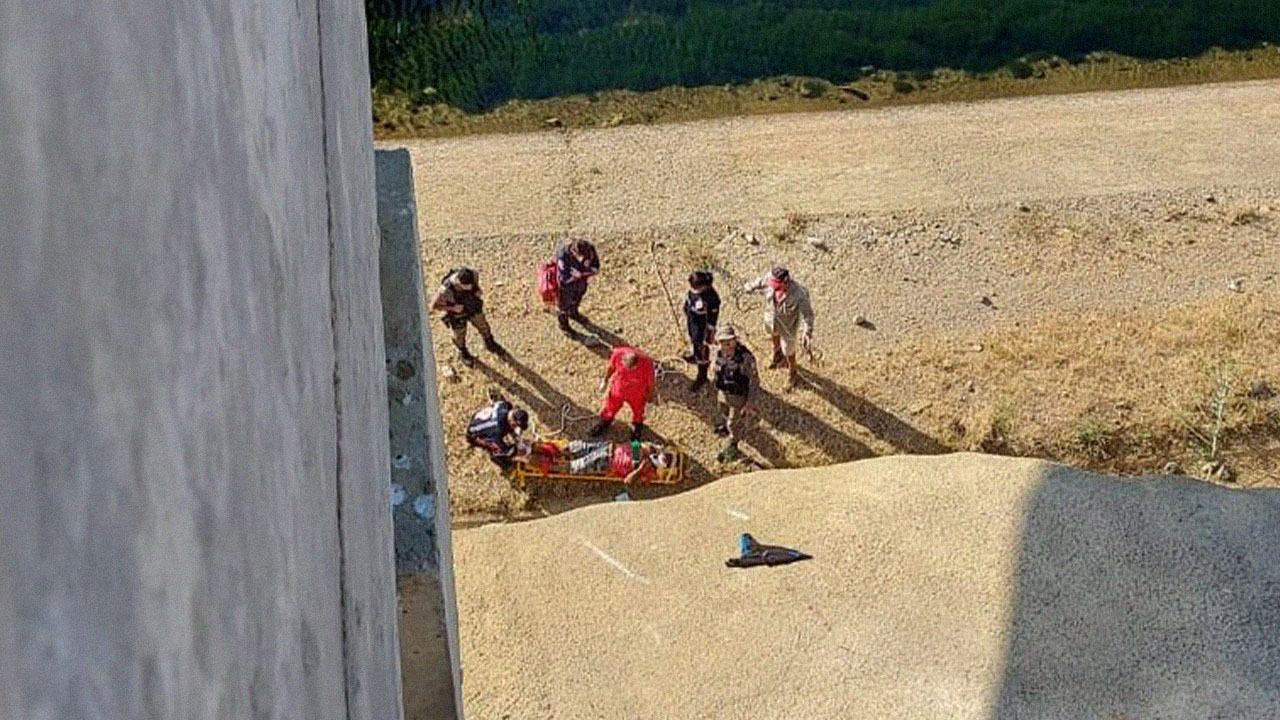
column 466, row 357
column 722, row 428
column 778, row 359
column 700, row 380
column 600, row 428
column 492, row 346
column 637, row 430
column 563, row 320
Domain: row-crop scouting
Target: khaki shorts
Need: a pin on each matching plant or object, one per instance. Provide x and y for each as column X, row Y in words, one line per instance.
column 786, row 337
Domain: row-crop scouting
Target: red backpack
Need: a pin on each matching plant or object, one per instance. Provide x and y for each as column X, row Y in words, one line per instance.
column 549, row 282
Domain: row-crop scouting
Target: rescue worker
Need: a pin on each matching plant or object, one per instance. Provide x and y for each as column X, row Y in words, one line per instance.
column 736, row 377
column 496, row 430
column 788, row 316
column 578, row 263
column 629, row 379
column 701, row 312
column 459, row 299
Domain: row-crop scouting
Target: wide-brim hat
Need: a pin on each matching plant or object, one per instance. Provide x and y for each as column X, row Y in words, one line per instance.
column 726, row 332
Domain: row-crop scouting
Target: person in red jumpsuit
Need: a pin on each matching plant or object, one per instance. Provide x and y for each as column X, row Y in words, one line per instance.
column 629, row 379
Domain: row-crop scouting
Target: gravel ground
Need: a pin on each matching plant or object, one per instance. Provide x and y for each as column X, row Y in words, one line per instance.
column 945, row 219
column 912, row 275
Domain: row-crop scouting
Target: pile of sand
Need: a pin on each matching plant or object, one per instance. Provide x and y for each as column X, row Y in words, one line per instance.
column 959, row 586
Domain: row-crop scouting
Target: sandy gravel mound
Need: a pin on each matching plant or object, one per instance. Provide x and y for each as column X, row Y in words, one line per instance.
column 959, row 586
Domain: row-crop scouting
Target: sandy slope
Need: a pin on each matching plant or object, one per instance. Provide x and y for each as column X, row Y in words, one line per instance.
column 947, row 155
column 961, row 586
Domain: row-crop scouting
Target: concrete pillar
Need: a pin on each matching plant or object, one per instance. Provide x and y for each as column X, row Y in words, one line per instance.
column 419, row 477
column 194, row 520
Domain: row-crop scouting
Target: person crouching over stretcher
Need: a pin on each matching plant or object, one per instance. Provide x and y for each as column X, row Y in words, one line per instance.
column 496, row 430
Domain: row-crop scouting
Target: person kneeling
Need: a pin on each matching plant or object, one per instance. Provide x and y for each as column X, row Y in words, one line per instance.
column 496, row 430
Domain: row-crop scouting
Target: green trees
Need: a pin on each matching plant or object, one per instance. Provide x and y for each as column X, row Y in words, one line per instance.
column 478, row 53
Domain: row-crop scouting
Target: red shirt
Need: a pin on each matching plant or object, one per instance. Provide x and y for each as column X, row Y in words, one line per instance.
column 633, row 382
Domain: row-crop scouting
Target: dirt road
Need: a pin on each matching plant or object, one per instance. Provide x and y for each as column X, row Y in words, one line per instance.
column 949, row 155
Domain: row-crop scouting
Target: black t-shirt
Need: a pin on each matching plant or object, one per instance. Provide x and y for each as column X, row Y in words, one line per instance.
column 702, row 308
column 733, row 373
column 567, row 262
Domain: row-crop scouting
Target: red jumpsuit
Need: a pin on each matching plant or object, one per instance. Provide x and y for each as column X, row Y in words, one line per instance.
column 628, row 385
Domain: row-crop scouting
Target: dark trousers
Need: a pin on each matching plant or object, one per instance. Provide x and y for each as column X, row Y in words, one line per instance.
column 698, row 338
column 571, row 295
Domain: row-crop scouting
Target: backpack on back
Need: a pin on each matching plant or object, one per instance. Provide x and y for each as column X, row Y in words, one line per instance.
column 549, row 282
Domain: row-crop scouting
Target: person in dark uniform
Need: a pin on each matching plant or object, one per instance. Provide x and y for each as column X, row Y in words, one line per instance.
column 701, row 312
column 736, row 377
column 578, row 263
column 496, row 430
column 459, row 299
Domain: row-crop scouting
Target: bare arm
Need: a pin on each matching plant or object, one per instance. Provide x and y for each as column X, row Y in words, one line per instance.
column 643, row 465
column 806, row 314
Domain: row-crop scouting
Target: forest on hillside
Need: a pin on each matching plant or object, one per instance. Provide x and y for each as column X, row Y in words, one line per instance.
column 476, row 54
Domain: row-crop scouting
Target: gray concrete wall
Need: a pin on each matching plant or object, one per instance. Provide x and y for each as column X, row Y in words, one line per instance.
column 193, row 479
column 420, row 481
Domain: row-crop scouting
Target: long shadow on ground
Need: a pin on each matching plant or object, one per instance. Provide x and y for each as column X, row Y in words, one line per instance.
column 557, row 411
column 771, row 409
column 879, row 422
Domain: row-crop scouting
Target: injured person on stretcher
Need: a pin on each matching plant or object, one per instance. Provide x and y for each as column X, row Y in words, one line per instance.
column 632, row 462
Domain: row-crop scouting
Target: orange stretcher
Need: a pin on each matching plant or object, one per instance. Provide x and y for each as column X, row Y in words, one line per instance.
column 530, row 467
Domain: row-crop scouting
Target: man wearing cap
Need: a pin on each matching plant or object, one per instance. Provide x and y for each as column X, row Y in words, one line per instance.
column 496, row 430
column 788, row 315
column 701, row 313
column 629, row 379
column 735, row 377
column 459, row 299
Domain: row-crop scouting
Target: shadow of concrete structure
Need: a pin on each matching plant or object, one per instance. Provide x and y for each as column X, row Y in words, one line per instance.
column 419, row 487
column 1148, row 598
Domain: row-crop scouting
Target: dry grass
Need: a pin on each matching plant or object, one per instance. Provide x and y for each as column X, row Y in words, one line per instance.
column 395, row 118
column 1124, row 393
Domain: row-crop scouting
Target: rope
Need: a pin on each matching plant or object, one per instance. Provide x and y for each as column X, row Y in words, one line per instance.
column 662, row 280
column 815, row 354
column 567, row 416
